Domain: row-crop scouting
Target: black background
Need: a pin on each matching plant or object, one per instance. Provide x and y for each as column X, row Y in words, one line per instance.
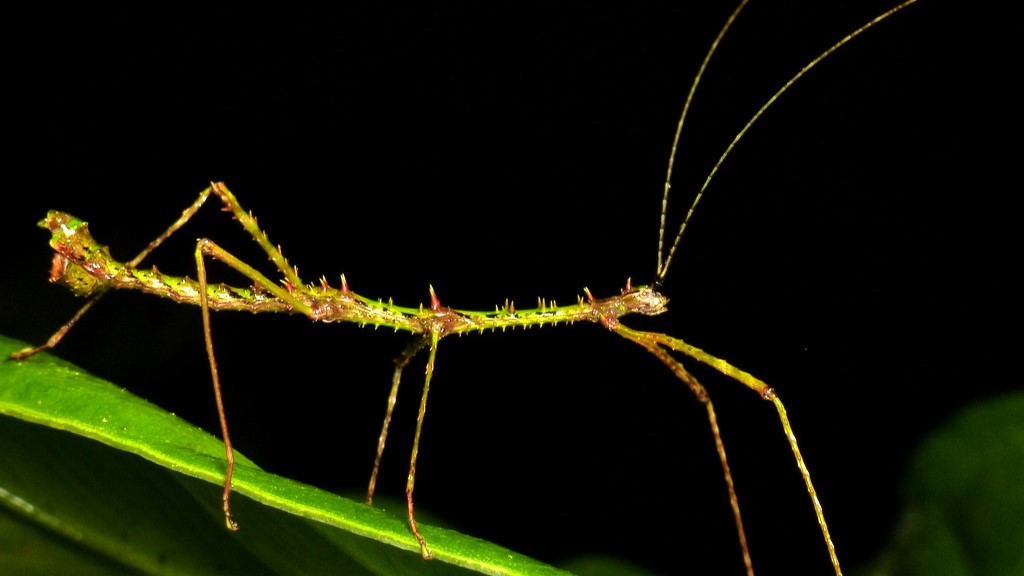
column 856, row 251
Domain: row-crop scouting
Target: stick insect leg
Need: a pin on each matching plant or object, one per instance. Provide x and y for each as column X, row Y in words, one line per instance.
column 248, row 222
column 205, row 247
column 57, row 336
column 702, row 396
column 229, row 453
column 662, row 341
column 410, row 483
column 400, row 363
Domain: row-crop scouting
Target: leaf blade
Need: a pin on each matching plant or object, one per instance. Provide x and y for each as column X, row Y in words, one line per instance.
column 48, row 391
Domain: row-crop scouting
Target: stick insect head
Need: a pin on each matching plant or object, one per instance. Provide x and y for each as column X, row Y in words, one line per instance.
column 645, row 300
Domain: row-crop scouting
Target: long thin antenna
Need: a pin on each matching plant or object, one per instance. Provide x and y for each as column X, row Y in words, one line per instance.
column 663, row 269
column 679, row 131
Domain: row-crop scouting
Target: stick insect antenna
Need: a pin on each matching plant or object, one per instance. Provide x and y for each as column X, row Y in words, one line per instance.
column 663, row 267
column 679, row 131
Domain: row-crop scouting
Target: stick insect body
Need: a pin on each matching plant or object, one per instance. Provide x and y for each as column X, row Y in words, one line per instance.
column 87, row 268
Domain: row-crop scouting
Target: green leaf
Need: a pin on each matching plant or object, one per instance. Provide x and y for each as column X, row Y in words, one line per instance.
column 964, row 497
column 78, row 499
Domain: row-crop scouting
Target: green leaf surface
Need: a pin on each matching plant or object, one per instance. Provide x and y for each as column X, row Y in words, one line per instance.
column 78, row 499
column 964, row 497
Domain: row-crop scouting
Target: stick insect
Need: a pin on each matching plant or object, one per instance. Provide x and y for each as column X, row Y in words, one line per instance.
column 89, row 270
